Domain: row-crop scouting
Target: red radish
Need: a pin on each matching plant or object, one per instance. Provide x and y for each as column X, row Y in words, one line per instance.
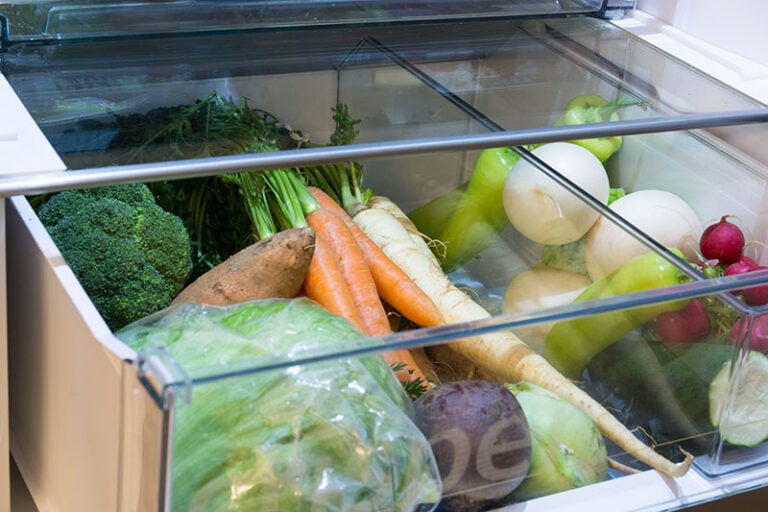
column 758, row 333
column 684, row 326
column 743, row 264
column 756, row 295
column 723, row 241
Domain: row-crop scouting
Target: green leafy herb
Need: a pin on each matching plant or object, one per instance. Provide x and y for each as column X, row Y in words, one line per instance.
column 222, row 213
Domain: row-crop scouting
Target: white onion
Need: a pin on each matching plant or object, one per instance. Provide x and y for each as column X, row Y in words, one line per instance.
column 543, row 210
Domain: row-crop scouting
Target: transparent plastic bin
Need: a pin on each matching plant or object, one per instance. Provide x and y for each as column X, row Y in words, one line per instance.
column 82, row 398
column 62, row 20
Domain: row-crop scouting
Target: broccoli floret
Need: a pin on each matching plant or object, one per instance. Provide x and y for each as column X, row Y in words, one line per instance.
column 135, row 194
column 131, row 256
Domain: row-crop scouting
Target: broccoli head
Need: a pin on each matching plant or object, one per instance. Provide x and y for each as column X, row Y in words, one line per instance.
column 131, row 256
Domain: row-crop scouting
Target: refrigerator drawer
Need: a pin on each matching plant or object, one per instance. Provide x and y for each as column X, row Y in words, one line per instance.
column 98, row 423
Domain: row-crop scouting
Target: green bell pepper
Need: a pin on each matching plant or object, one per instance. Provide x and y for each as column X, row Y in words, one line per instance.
column 480, row 215
column 431, row 217
column 591, row 108
column 571, row 344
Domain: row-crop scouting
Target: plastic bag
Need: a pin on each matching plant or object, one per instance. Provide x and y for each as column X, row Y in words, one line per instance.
column 329, row 436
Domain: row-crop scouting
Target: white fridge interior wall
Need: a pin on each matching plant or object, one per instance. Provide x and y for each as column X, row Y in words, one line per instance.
column 708, row 21
column 727, row 41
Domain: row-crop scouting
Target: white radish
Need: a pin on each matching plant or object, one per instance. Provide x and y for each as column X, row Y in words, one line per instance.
column 545, row 211
column 662, row 215
column 501, row 352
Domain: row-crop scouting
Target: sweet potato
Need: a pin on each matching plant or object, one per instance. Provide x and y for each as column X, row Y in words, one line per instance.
column 270, row 268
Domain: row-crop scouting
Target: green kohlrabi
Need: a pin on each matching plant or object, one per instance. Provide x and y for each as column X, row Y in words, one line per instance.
column 567, row 449
column 329, row 436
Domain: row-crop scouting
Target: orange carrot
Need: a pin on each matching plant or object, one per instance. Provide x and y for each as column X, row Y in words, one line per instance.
column 338, row 275
column 354, row 270
column 357, row 279
column 324, row 274
column 392, row 284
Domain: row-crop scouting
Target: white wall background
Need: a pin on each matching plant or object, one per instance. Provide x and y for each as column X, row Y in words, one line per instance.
column 737, row 25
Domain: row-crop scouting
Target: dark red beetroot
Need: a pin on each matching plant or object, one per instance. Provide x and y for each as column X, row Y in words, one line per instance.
column 723, row 241
column 481, row 441
column 684, row 326
column 757, row 331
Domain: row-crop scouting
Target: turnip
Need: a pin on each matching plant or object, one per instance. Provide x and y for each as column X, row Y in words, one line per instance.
column 723, row 241
column 480, row 438
column 545, row 211
column 662, row 215
column 540, row 288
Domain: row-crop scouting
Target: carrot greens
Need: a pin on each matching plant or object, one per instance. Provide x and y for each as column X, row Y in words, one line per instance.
column 220, row 212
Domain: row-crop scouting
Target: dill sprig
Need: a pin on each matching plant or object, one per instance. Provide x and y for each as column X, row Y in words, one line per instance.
column 414, row 388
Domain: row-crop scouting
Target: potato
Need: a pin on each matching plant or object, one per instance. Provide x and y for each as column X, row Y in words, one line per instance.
column 480, row 439
column 270, row 268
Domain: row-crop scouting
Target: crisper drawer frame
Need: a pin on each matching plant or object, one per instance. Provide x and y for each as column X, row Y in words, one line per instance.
column 156, row 171
column 142, row 423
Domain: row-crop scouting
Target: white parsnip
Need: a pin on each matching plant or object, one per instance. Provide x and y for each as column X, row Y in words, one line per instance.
column 500, row 353
column 386, row 204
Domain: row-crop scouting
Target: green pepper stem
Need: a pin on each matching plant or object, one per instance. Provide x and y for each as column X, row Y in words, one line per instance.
column 603, row 113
